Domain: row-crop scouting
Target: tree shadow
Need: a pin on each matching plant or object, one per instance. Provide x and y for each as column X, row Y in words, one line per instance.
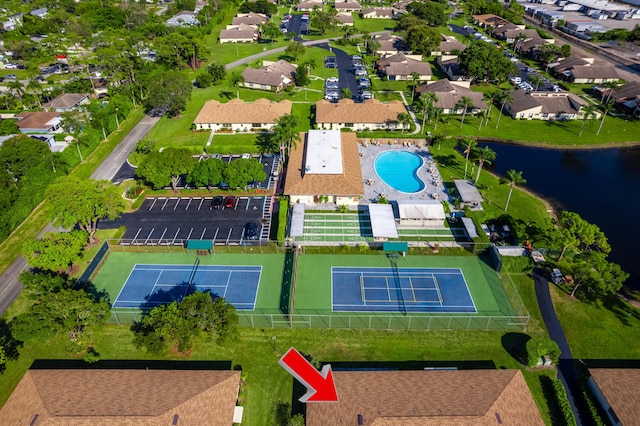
column 620, row 308
column 9, row 343
column 555, row 411
column 446, row 160
column 514, row 344
column 267, row 143
column 227, row 95
column 173, row 294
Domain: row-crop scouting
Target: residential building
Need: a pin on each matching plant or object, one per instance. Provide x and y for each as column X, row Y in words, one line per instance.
column 274, row 76
column 240, row 116
column 251, row 18
column 427, row 397
column 489, row 20
column 450, row 93
column 325, row 163
column 584, row 70
column 512, row 33
column 448, row 45
column 308, row 5
column 450, row 65
column 389, row 44
column 403, row 67
column 40, row 12
column 96, row 396
column 39, row 122
column 239, row 34
column 616, row 391
column 381, row 13
column 345, row 19
column 368, row 115
column 626, row 97
column 186, row 18
column 545, row 106
column 347, row 6
column 67, row 102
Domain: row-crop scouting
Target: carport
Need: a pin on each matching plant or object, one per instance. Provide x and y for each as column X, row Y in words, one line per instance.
column 383, row 224
column 468, row 191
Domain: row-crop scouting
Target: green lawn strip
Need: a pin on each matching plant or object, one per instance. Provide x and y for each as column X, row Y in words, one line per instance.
column 11, row 248
column 594, row 331
column 372, row 25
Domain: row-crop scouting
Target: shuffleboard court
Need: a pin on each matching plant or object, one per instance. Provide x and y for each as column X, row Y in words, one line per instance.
column 150, row 285
column 363, row 289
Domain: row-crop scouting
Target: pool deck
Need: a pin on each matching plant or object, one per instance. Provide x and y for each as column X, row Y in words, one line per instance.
column 374, row 187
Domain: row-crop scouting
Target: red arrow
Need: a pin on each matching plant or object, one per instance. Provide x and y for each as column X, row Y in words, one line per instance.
column 319, row 384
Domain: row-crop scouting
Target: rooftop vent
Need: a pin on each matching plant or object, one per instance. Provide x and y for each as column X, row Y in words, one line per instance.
column 360, row 420
column 34, row 420
column 174, row 422
column 498, row 418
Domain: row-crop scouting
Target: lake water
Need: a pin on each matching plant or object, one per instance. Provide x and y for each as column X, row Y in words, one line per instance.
column 603, row 186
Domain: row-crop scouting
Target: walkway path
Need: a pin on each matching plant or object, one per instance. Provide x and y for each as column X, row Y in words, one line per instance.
column 411, row 113
column 566, row 372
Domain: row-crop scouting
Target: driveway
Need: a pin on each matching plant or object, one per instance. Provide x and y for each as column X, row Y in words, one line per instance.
column 346, row 75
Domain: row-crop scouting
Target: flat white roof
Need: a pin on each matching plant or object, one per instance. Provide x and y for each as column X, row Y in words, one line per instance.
column 383, row 224
column 324, row 153
column 468, row 191
column 470, row 227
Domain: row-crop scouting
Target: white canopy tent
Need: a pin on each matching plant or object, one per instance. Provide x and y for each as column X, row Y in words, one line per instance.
column 468, row 191
column 420, row 212
column 383, row 224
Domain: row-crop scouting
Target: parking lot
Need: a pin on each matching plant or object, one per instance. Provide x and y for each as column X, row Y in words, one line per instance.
column 172, row 220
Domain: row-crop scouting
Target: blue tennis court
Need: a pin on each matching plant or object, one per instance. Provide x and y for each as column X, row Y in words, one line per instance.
column 400, row 290
column 151, row 285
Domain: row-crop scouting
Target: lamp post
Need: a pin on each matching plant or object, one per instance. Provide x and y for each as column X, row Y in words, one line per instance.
column 117, row 122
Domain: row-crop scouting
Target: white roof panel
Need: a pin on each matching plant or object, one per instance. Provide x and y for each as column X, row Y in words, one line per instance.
column 421, row 209
column 470, row 227
column 324, row 153
column 383, row 224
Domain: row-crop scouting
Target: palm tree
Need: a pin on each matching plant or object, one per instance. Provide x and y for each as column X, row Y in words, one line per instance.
column 405, row 119
column 514, row 179
column 236, row 81
column 436, row 116
column 611, row 85
column 587, row 112
column 606, row 107
column 36, row 88
column 503, row 97
column 535, row 80
column 415, row 77
column 482, row 114
column 484, row 155
column 428, row 99
column 16, row 87
column 465, row 103
column 468, row 145
column 489, row 97
column 286, row 134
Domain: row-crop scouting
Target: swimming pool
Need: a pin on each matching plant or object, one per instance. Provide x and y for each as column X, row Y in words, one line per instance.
column 399, row 170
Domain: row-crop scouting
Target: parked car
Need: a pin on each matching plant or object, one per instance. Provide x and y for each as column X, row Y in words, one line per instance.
column 251, row 231
column 229, row 202
column 10, row 77
column 216, row 204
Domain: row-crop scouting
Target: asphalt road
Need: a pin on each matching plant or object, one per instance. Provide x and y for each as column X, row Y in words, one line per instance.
column 346, row 75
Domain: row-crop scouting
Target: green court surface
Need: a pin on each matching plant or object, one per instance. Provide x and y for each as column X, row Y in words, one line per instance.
column 118, row 265
column 313, row 284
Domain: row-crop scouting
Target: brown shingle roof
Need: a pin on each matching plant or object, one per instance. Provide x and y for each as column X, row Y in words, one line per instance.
column 348, row 183
column 237, row 111
column 449, row 94
column 450, row 43
column 595, row 71
column 400, row 64
column 347, row 111
column 35, row 120
column 66, row 100
column 250, row 18
column 389, row 43
column 489, row 19
column 620, row 387
column 551, row 102
column 626, row 92
column 347, row 5
column 345, row 18
column 468, row 397
column 242, row 32
column 271, row 75
column 124, row 397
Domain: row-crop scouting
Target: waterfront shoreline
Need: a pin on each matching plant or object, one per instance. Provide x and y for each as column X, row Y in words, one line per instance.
column 611, row 145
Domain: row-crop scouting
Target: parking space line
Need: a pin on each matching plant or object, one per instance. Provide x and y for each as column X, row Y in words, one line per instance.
column 201, row 201
column 188, row 204
column 190, row 232
column 149, row 236
column 229, row 236
column 136, row 236
column 162, row 236
column 177, row 202
column 215, row 235
column 202, row 236
column 165, row 203
column 248, row 202
column 153, row 204
column 175, row 236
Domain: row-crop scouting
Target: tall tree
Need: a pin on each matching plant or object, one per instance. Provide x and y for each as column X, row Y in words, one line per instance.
column 405, row 119
column 207, row 173
column 166, row 167
column 588, row 112
column 596, row 274
column 606, row 108
column 465, row 103
column 83, row 202
column 55, row 251
column 168, row 93
column 422, row 39
column 295, row 49
column 286, row 133
column 514, row 179
column 503, row 97
column 489, row 97
column 242, row 171
column 468, row 144
column 236, row 81
column 484, row 155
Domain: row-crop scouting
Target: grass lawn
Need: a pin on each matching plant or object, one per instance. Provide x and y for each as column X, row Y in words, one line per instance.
column 372, row 25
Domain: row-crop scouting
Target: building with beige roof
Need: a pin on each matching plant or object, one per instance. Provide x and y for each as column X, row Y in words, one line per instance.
column 39, row 122
column 425, row 398
column 489, row 20
column 67, row 102
column 273, row 76
column 449, row 93
column 402, row 67
column 389, row 44
column 95, row 397
column 381, row 13
column 251, row 18
column 344, row 19
column 347, row 6
column 616, row 389
column 326, row 162
column 370, row 114
column 309, row 5
column 448, row 45
column 584, row 70
column 239, row 34
column 546, row 106
column 240, row 116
